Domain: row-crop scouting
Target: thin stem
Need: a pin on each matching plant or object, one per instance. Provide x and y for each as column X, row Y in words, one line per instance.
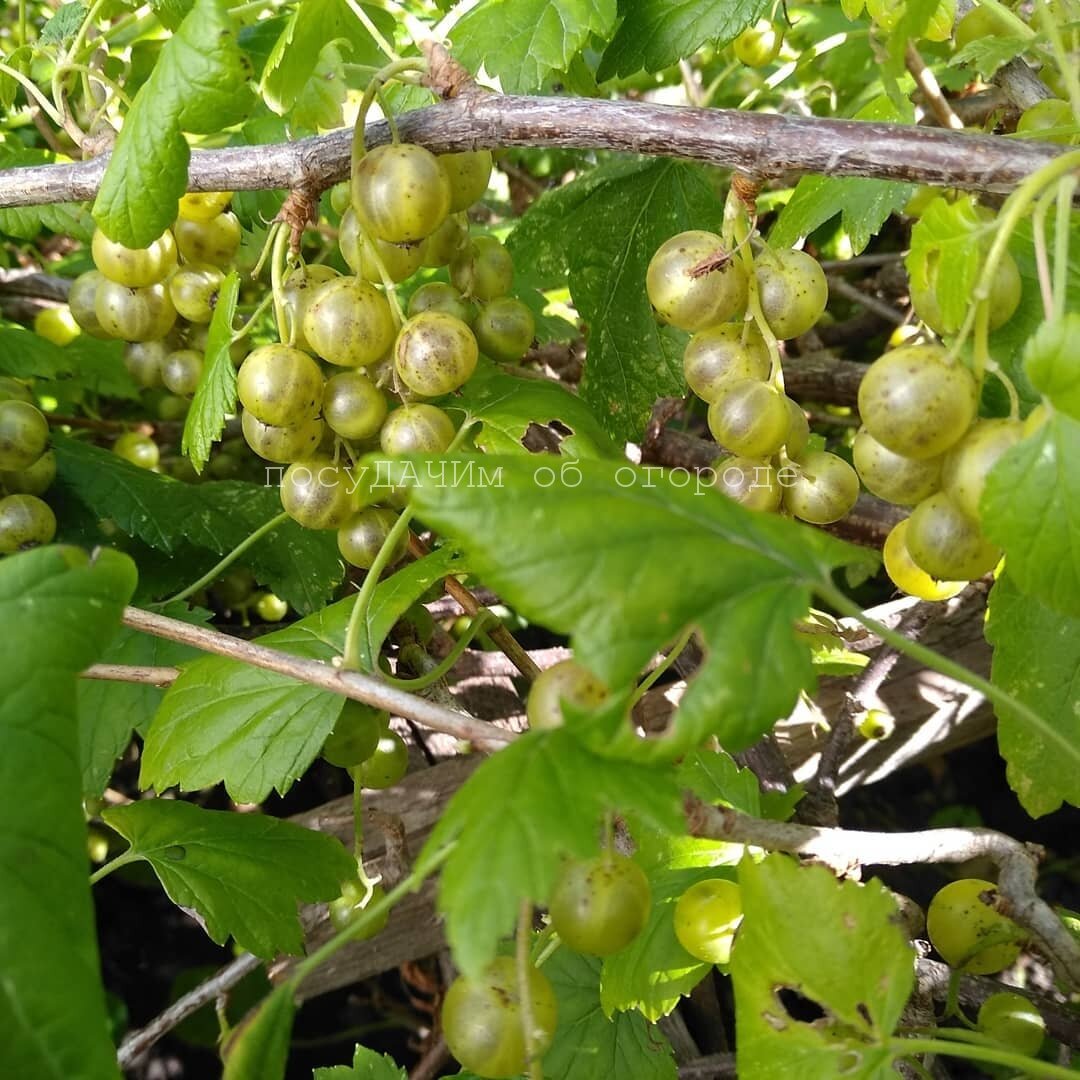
column 246, row 327
column 920, row 1070
column 215, row 572
column 1061, row 55
column 32, row 91
column 980, row 351
column 376, row 35
column 122, row 859
column 741, row 227
column 672, row 656
column 383, row 75
column 23, row 29
column 422, row 682
column 995, row 369
column 286, row 333
column 1027, row 1066
column 389, row 287
column 1042, row 259
column 388, row 116
column 358, row 820
column 1066, row 189
column 523, row 965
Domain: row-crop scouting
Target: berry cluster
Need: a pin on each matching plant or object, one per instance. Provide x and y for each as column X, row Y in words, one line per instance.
column 695, row 285
column 27, row 470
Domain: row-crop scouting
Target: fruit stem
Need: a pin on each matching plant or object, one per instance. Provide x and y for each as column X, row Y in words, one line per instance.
column 286, row 334
column 980, row 352
column 1002, row 699
column 383, row 75
column 384, row 275
column 358, row 836
column 1061, row 55
column 247, row 326
column 1066, row 188
column 673, row 655
column 216, row 571
column 523, row 964
column 1025, row 1065
column 422, row 682
column 1042, row 261
column 391, row 120
column 1013, row 209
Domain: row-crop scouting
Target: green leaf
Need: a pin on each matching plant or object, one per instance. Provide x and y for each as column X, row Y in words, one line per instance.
column 1052, row 362
column 1037, row 659
column 367, row 1065
column 655, row 34
column 589, row 1044
column 508, row 405
column 215, row 396
column 865, row 205
column 60, row 611
column 243, row 873
column 223, row 720
column 300, row 565
column 27, row 355
column 849, row 956
column 319, row 106
column 110, row 711
column 63, row 26
column 293, row 62
column 171, row 12
column 987, row 54
column 524, row 41
column 716, row 778
column 744, row 579
column 259, row 1048
column 551, row 793
column 602, row 229
column 1031, row 508
column 199, row 85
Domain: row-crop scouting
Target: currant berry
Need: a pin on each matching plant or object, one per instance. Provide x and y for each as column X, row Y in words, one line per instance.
column 893, row 477
column 297, row 293
column 1005, row 293
column 967, row 464
column 968, row 932
column 82, row 300
column 214, row 242
column 56, row 324
column 916, row 404
column 435, row 354
column 138, row 449
column 758, row 45
column 446, row 242
column 269, row 607
column 484, row 269
column 468, row 173
column 694, row 301
column 505, row 329
column 35, row 479
column 134, row 314
column 752, row 482
column 317, row 494
column 439, row 296
column 824, row 490
column 24, row 434
column 417, row 429
column 1013, row 1021
column 399, row 260
column 978, row 23
column 13, row 390
column 181, row 371
column 356, row 735
column 876, row 725
column 718, row 355
column 280, row 385
column 482, row 1023
column 600, row 905
column 387, row 765
column 706, row 918
column 1046, row 115
column 798, row 433
column 750, row 417
column 400, row 193
column 361, row 537
column 203, row 205
column 134, row 267
column 353, row 406
column 566, row 682
column 25, row 522
column 348, row 322
column 194, row 292
column 907, row 575
column 946, row 543
column 143, row 360
column 792, row 290
column 282, row 444
column 350, row 907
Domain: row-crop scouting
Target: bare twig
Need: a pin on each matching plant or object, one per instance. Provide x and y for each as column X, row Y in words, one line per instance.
column 138, row 1042
column 34, row 283
column 347, row 683
column 151, row 676
column 860, row 262
column 931, row 91
column 713, row 1067
column 1017, row 863
column 840, row 287
column 756, row 143
column 432, row 1063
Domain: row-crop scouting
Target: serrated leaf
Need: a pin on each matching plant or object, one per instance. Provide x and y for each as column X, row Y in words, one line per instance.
column 215, row 396
column 654, row 34
column 64, row 219
column 507, row 405
column 243, row 873
column 110, row 711
column 60, row 610
column 524, row 41
column 1052, row 362
column 300, row 565
column 602, row 229
column 588, row 1043
column 259, row 1047
column 223, row 720
column 865, row 205
column 946, row 253
column 366, row 1065
column 319, row 106
column 27, row 355
column 716, row 778
column 198, row 85
column 1037, row 660
column 293, row 61
column 851, row 958
column 987, row 54
column 1031, row 508
column 744, row 579
column 521, row 846
column 63, row 26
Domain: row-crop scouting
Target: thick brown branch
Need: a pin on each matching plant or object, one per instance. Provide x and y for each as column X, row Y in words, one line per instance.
column 1017, row 864
column 349, row 684
column 760, row 144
